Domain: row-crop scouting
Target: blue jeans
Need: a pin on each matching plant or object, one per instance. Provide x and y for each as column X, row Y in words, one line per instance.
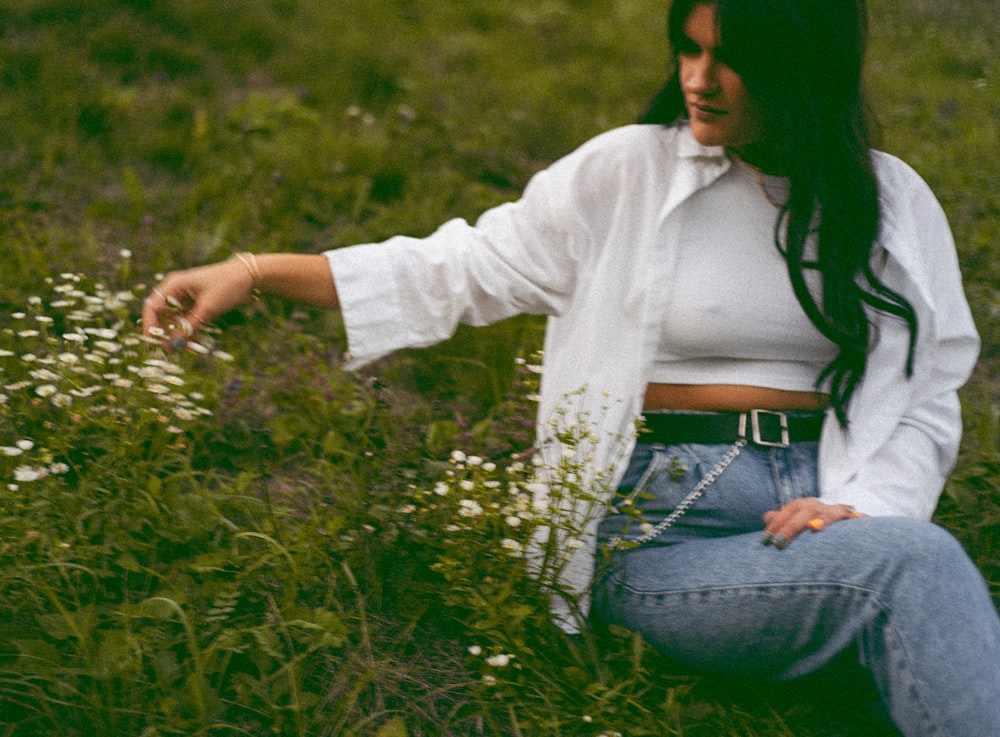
column 900, row 593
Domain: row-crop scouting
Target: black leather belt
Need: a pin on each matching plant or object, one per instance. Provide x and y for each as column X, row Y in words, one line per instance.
column 758, row 426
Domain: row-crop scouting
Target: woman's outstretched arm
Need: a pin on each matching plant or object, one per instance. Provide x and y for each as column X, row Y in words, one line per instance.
column 198, row 295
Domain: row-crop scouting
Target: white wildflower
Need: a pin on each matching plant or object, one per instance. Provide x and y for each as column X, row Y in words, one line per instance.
column 44, row 375
column 500, row 660
column 102, row 333
column 469, row 508
column 513, row 547
column 29, row 473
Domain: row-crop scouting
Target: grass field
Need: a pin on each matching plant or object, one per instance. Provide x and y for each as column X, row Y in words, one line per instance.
column 247, row 541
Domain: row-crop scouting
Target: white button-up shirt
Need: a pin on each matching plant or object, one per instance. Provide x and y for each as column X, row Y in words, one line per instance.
column 588, row 244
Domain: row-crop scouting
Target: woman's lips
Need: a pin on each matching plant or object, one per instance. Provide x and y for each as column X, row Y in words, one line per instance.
column 704, row 112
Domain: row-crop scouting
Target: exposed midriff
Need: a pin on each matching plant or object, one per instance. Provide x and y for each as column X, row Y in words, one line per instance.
column 729, row 397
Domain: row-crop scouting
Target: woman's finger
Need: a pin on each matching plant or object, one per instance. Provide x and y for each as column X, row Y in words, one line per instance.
column 801, row 515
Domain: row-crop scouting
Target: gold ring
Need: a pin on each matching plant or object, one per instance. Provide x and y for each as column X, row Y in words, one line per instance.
column 815, row 524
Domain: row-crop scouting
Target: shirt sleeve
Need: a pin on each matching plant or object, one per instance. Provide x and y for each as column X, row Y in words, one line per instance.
column 522, row 257
column 907, row 472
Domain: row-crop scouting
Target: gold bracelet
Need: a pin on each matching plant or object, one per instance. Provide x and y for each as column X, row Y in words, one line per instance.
column 250, row 262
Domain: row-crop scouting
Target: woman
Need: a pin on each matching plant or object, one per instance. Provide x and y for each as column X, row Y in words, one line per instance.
column 783, row 305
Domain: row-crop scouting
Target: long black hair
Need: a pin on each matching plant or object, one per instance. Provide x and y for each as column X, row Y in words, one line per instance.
column 801, row 61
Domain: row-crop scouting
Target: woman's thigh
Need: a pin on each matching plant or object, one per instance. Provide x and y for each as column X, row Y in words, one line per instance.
column 734, row 605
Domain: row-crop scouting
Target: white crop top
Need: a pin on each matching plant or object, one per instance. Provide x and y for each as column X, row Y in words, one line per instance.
column 731, row 314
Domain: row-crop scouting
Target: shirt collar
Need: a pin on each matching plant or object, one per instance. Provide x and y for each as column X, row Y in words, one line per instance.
column 689, row 148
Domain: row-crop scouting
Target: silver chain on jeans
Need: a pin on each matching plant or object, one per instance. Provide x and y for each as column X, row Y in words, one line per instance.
column 690, row 499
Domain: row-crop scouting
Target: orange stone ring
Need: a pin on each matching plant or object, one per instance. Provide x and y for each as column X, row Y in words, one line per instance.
column 816, row 524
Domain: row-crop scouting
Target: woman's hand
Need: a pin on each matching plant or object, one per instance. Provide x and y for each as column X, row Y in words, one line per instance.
column 801, row 515
column 186, row 300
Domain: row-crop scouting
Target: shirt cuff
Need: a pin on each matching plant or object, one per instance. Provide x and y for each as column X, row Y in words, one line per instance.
column 369, row 303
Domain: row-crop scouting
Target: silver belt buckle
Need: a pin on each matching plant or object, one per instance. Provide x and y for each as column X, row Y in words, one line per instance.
column 755, row 436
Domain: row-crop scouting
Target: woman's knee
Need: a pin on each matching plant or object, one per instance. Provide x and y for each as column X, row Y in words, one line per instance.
column 917, row 538
column 921, row 549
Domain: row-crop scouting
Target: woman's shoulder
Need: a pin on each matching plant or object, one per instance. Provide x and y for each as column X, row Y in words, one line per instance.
column 636, row 148
column 896, row 177
column 904, row 195
column 914, row 226
column 639, row 139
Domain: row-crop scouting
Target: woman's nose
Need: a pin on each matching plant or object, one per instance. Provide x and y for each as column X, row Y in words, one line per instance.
column 699, row 75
